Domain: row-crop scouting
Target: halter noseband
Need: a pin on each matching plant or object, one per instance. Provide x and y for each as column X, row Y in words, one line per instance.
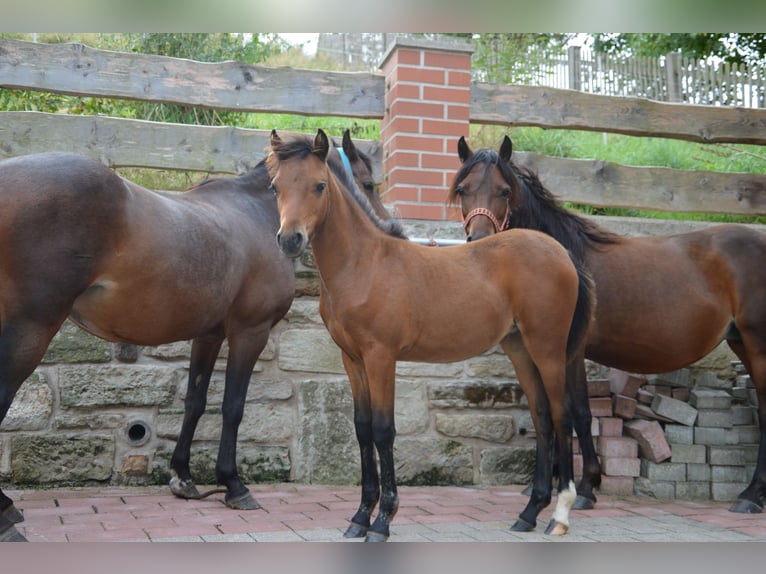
column 487, row 213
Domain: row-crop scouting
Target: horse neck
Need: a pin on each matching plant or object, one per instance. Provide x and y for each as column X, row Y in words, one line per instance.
column 344, row 238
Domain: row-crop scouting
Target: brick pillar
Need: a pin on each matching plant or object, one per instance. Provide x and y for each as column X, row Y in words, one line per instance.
column 428, row 95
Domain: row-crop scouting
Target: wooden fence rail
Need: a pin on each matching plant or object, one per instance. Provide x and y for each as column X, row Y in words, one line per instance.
column 79, row 70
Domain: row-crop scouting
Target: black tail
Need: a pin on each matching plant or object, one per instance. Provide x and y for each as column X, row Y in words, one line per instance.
column 586, row 305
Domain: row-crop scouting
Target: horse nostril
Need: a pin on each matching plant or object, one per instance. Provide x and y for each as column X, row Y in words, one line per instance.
column 469, row 238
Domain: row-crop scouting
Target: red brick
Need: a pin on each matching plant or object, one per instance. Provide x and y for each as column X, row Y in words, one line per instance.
column 405, row 56
column 446, row 60
column 458, row 78
column 447, row 95
column 400, row 125
column 600, row 406
column 621, row 466
column 433, row 194
column 652, row 444
column 419, row 75
column 402, row 193
column 401, row 158
column 646, row 412
column 417, row 109
column 440, row 161
column 457, row 112
column 444, row 128
column 611, row 426
column 625, row 384
column 598, row 388
column 414, row 176
column 681, row 394
column 415, row 143
column 644, row 396
column 624, row 407
column 658, row 389
column 419, row 211
column 615, row 446
column 405, row 92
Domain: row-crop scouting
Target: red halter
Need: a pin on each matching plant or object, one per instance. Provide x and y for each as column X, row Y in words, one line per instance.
column 487, row 213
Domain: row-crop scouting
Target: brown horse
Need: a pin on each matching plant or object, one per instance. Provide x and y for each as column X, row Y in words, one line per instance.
column 384, row 299
column 138, row 266
column 663, row 302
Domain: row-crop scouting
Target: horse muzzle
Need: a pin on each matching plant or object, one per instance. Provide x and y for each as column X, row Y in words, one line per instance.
column 293, row 243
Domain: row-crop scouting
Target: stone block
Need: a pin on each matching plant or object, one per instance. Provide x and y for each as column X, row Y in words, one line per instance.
column 652, row 444
column 656, row 389
column 617, row 466
column 747, row 434
column 693, row 490
column 679, row 434
column 131, row 385
column 47, row 459
column 508, row 465
column 626, row 384
column 675, row 410
column 729, row 455
column 693, row 453
column 680, row 394
column 73, row 345
column 411, row 408
column 728, row 474
column 662, row 490
column 489, row 427
column 438, row 462
column 704, row 398
column 710, row 380
column 646, row 412
column 624, row 407
column 698, row 472
column 717, row 418
column 714, row 436
column 309, row 350
column 726, row 491
column 32, row 407
column 617, row 485
column 481, row 394
column 743, row 415
column 624, row 447
column 666, row 471
column 679, row 378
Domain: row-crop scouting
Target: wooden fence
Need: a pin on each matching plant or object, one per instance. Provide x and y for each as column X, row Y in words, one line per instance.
column 79, row 70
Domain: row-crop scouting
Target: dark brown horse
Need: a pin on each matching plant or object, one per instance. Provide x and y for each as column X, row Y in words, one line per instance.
column 663, row 302
column 138, row 266
column 384, row 299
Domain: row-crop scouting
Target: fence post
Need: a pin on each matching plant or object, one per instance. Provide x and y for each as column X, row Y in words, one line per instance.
column 427, row 104
column 573, row 60
column 673, row 76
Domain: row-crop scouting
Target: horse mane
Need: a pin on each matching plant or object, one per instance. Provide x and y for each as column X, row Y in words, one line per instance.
column 302, row 146
column 537, row 207
column 540, row 209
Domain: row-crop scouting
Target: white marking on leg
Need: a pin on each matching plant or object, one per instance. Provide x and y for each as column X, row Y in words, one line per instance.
column 564, row 503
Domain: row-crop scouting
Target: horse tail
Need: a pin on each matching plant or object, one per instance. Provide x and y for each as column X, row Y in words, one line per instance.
column 586, row 304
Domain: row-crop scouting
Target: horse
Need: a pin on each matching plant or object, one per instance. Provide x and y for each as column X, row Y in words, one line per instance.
column 145, row 267
column 664, row 302
column 385, row 299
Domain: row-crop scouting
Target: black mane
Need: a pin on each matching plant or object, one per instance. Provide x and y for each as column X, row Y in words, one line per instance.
column 301, row 147
column 537, row 208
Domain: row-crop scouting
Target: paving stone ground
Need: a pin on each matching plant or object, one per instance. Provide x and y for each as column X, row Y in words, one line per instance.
column 307, row 513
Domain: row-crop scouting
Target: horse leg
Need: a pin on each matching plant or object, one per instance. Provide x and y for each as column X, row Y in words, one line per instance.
column 577, row 383
column 244, row 349
column 531, row 384
column 380, row 367
column 22, row 346
column 753, row 356
column 204, row 353
column 360, row 522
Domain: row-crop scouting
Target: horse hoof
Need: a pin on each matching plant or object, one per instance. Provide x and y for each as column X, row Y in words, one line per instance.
column 583, row 503
column 522, row 525
column 184, row 488
column 527, row 491
column 373, row 536
column 10, row 534
column 556, row 528
column 242, row 502
column 745, row 506
column 355, row 531
column 12, row 513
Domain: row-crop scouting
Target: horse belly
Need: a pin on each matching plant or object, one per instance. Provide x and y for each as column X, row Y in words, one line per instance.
column 141, row 317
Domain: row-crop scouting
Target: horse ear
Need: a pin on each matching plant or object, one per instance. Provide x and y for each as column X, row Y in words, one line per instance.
column 348, row 146
column 463, row 150
column 506, row 149
column 274, row 139
column 321, row 145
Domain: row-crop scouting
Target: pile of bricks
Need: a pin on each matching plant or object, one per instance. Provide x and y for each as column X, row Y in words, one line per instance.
column 672, row 436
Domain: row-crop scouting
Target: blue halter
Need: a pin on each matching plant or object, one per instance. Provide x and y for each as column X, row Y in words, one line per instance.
column 346, row 163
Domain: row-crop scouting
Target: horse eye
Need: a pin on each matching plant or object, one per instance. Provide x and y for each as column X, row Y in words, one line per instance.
column 369, row 187
column 460, row 190
column 321, row 187
column 506, row 192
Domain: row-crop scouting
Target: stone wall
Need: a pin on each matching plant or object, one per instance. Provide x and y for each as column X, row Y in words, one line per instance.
column 98, row 412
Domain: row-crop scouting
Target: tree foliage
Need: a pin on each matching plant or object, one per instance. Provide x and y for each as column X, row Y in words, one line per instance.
column 731, row 47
